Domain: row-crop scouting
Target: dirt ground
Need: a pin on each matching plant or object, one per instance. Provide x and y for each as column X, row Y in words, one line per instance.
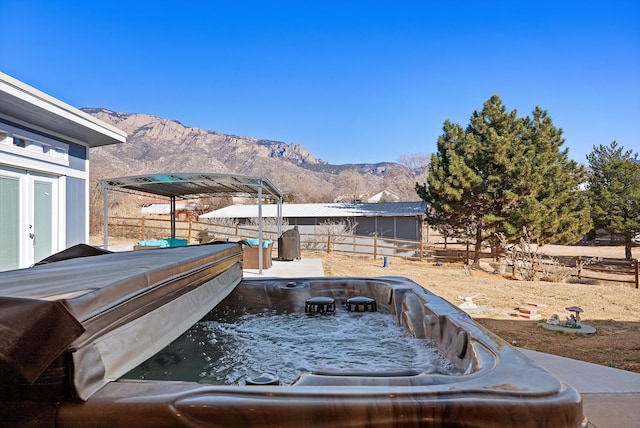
column 611, row 308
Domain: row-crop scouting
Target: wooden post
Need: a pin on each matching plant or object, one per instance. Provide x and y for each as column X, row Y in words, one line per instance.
column 467, row 261
column 579, row 267
column 142, row 229
column 375, row 247
column 189, row 233
column 421, row 250
column 635, row 268
column 328, row 242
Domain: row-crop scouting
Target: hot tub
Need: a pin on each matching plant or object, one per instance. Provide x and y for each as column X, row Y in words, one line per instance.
column 493, row 385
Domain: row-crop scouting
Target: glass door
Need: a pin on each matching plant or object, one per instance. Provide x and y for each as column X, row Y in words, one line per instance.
column 29, row 217
column 9, row 221
column 42, row 233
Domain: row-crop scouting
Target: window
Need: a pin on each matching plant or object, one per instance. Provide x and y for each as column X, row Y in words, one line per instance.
column 52, row 151
column 34, row 146
column 19, row 142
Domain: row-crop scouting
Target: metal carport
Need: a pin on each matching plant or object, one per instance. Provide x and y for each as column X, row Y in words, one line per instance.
column 191, row 185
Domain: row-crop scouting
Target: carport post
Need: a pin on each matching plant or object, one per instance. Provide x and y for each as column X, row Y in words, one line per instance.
column 260, row 229
column 279, row 216
column 105, row 225
column 173, row 218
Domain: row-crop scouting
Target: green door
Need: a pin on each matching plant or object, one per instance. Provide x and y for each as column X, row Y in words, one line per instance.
column 9, row 223
column 28, row 218
column 42, row 219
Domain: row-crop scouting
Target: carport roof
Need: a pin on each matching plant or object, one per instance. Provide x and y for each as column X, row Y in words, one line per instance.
column 189, row 185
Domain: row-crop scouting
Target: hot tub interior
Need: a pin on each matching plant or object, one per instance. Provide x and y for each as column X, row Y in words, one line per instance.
column 286, row 329
column 234, row 346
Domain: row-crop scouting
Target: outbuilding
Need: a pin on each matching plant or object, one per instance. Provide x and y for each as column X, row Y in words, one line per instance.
column 44, row 173
column 394, row 220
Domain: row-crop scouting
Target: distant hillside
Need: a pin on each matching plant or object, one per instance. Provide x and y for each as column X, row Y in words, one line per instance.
column 162, row 145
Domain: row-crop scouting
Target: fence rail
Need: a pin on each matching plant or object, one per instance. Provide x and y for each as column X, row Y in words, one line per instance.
column 613, row 267
column 142, row 228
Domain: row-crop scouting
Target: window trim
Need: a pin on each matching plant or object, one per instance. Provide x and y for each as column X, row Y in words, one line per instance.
column 49, row 151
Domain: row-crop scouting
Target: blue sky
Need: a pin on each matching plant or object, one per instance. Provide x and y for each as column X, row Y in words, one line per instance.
column 352, row 81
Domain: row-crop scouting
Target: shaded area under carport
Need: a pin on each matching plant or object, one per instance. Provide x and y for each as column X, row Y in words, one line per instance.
column 192, row 185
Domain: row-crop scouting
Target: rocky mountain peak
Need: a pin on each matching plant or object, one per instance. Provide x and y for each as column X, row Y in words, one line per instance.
column 156, row 145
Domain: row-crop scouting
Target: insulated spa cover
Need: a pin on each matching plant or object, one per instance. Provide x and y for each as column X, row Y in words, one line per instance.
column 87, row 316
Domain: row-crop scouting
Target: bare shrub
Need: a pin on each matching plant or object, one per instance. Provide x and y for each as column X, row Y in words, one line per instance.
column 554, row 271
column 269, row 225
column 222, row 226
column 225, row 222
column 524, row 255
column 551, row 270
column 530, row 263
column 339, row 231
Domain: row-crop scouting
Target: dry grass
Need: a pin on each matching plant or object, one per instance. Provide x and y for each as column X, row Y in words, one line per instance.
column 611, row 308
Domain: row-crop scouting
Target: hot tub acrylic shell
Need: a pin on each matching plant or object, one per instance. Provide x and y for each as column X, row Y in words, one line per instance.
column 498, row 387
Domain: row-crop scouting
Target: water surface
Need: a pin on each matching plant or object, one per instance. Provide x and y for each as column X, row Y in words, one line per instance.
column 237, row 347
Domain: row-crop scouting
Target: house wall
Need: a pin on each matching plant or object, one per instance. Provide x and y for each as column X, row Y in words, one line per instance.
column 60, row 168
column 77, row 216
column 390, row 227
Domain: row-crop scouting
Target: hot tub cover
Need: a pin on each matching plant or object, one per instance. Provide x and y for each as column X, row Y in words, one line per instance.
column 32, row 334
column 110, row 311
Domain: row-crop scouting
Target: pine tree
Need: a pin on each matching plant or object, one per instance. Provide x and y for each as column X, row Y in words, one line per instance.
column 614, row 192
column 502, row 174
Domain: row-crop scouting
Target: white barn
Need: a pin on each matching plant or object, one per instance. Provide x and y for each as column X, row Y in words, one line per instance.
column 395, row 220
column 44, row 173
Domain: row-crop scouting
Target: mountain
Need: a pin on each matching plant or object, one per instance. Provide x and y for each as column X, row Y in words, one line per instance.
column 163, row 145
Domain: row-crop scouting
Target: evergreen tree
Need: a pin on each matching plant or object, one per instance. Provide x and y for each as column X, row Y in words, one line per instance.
column 614, row 192
column 503, row 173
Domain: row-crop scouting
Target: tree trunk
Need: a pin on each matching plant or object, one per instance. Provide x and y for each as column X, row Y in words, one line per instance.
column 478, row 249
column 627, row 249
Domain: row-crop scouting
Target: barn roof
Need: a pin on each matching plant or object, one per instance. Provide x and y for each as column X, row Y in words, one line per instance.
column 380, row 209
